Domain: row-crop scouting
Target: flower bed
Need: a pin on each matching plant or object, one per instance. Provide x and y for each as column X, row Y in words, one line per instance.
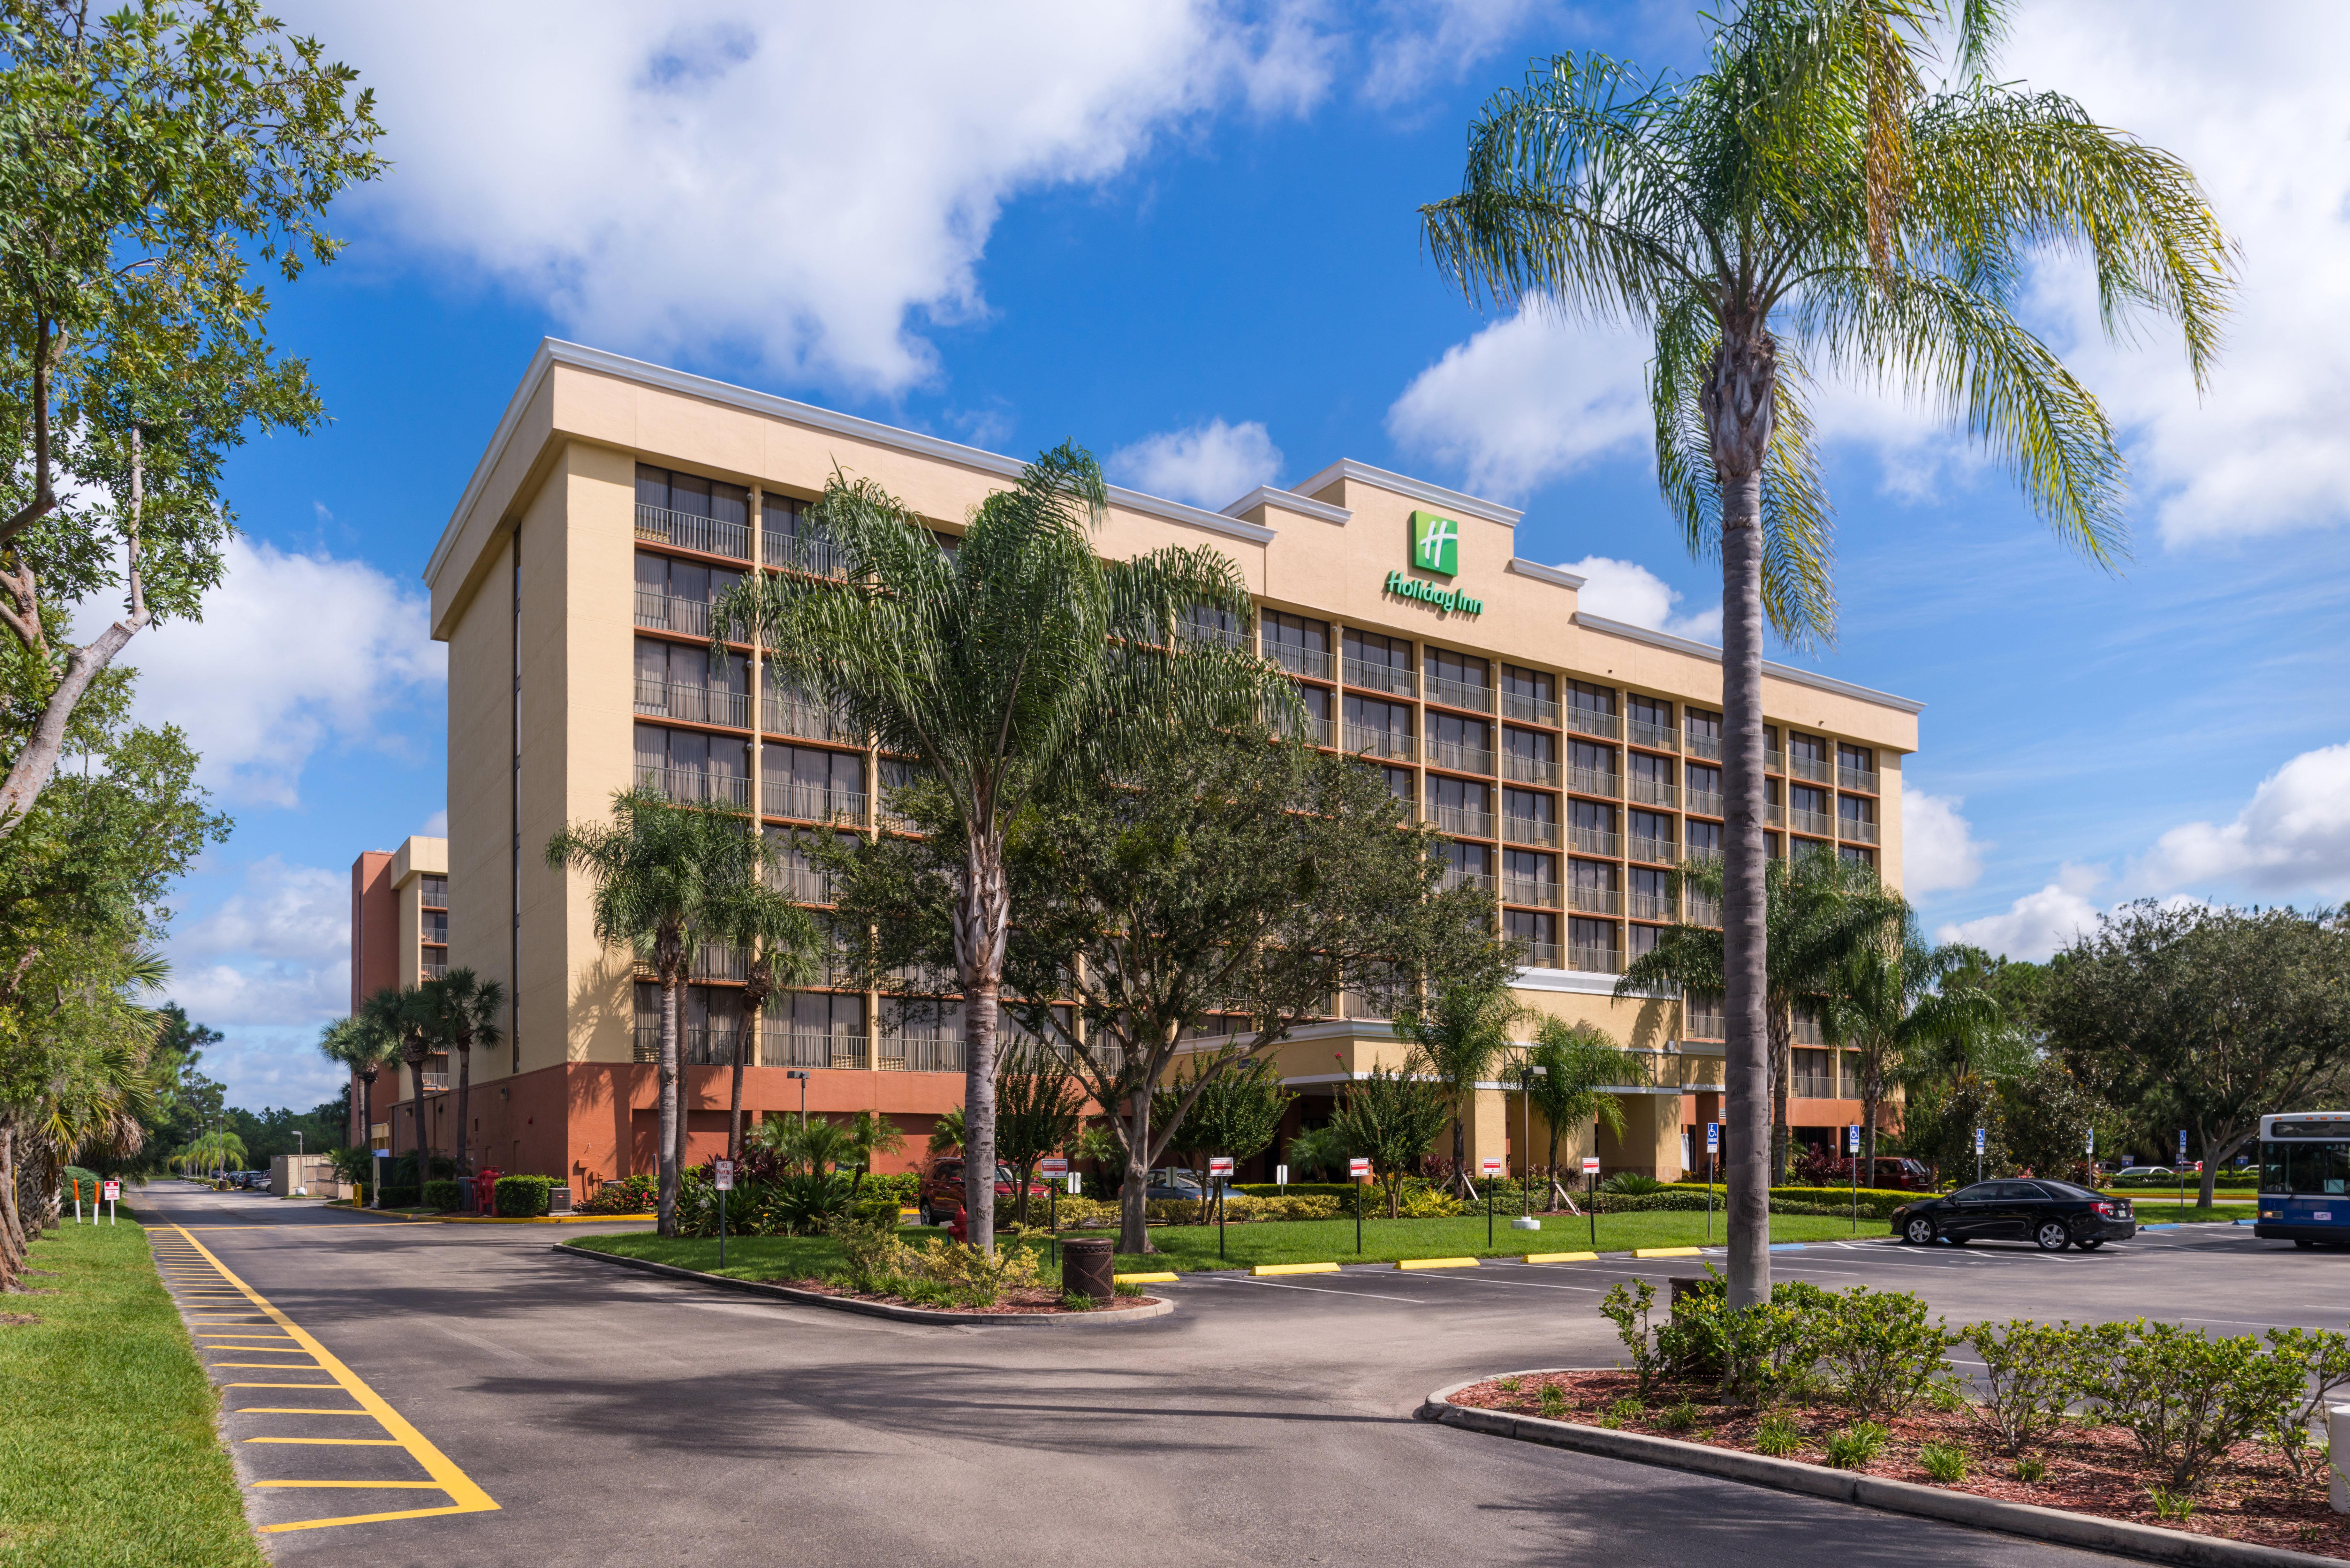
column 2250, row 1495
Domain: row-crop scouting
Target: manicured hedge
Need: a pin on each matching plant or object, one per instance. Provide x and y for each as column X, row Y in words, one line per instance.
column 1879, row 1202
column 443, row 1195
column 524, row 1196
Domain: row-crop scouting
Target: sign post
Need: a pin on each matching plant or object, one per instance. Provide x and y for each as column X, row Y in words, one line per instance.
column 1057, row 1166
column 1590, row 1195
column 2182, row 1173
column 1979, row 1148
column 111, row 1191
column 1852, row 1148
column 1220, row 1165
column 1358, row 1170
column 1712, row 1154
column 77, row 1184
column 721, row 1176
column 1490, row 1165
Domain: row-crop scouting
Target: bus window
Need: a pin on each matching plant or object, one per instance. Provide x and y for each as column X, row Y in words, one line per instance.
column 2314, row 1169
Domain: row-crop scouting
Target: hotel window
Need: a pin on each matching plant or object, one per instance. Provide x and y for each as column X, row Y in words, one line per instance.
column 1591, row 768
column 1528, row 694
column 434, row 892
column 1814, row 1076
column 1704, row 837
column 675, row 681
column 1466, row 864
column 1535, row 931
column 1651, row 779
column 1399, row 783
column 694, row 768
column 1591, row 944
column 1652, row 836
column 1859, row 814
column 1704, row 785
column 1807, row 810
column 1774, row 759
column 1381, row 729
column 435, row 927
column 1703, row 730
column 1220, row 627
column 1643, row 939
column 1466, row 744
column 676, row 596
column 1704, row 1015
column 1592, row 816
column 1807, row 758
column 1855, row 855
column 815, row 1020
column 811, row 784
column 1529, row 816
column 1651, row 720
column 1318, row 707
column 1591, row 887
column 1590, row 709
column 1529, row 877
column 1458, row 806
column 1296, row 644
column 1652, row 894
column 791, row 539
column 1459, row 678
column 690, row 512
column 1380, row 663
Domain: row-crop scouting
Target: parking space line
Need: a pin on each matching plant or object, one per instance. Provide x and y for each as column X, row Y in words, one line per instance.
column 1325, row 1290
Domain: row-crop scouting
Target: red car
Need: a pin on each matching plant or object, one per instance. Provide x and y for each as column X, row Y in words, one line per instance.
column 941, row 1200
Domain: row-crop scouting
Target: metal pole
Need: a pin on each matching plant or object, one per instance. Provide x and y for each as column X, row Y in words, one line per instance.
column 1591, row 1204
column 1358, row 1218
column 1712, row 1158
column 1489, row 1215
column 722, row 1227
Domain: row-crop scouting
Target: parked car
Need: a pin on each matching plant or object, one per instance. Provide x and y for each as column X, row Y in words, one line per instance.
column 2141, row 1173
column 248, row 1181
column 1169, row 1182
column 941, row 1195
column 2051, row 1215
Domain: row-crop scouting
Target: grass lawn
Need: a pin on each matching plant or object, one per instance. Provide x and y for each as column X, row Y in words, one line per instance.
column 2170, row 1212
column 108, row 1453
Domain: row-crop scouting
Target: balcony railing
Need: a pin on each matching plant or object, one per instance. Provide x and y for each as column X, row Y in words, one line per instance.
column 1363, row 740
column 1542, row 892
column 1594, row 781
column 1704, row 912
column 1455, row 877
column 1774, row 761
column 1538, row 955
column 1204, row 636
column 1705, row 802
column 1585, row 900
column 436, row 967
column 781, row 715
column 1322, row 732
column 1524, row 769
column 807, row 802
column 1593, row 841
column 1299, row 659
column 781, row 1045
column 1591, row 721
column 916, row 1054
column 1655, row 851
column 665, row 612
column 1812, row 1084
column 1652, row 905
column 1460, row 694
column 1462, row 820
column 691, row 786
column 1773, row 814
column 1815, row 822
column 1856, row 831
column 1863, row 779
column 1813, row 769
column 1596, row 961
column 684, row 531
column 714, row 961
column 1460, row 758
column 894, row 821
column 1705, row 748
column 803, row 884
column 1704, row 1024
column 692, row 703
column 698, row 1045
column 1656, row 737
column 1380, row 677
column 1654, row 792
column 435, row 1083
column 1531, row 830
column 1532, row 710
column 810, row 552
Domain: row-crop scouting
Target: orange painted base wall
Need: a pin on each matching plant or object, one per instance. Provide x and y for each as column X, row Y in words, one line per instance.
column 590, row 1122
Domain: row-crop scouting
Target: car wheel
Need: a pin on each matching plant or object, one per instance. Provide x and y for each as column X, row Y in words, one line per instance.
column 2053, row 1236
column 1919, row 1233
column 924, row 1212
column 2092, row 1244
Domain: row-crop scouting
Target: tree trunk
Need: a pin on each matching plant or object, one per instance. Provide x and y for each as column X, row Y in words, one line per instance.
column 1134, row 1196
column 13, row 1250
column 1737, row 406
column 1783, row 1068
column 2211, row 1167
column 464, row 1099
column 749, row 1041
column 666, row 1137
column 983, row 917
column 366, row 1138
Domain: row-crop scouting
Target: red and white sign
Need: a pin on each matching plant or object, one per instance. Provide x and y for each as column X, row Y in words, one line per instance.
column 1359, row 1167
column 1590, row 1165
column 1491, row 1164
column 1220, row 1165
column 721, row 1175
column 111, row 1191
column 1052, row 1168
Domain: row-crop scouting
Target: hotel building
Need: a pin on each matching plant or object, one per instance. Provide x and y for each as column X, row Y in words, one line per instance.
column 1569, row 761
column 399, row 937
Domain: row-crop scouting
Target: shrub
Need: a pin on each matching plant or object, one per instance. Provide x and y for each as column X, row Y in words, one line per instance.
column 1762, row 1353
column 629, row 1195
column 2187, row 1397
column 2032, row 1469
column 523, row 1196
column 1631, row 1183
column 1681, row 1417
column 1855, row 1445
column 2027, row 1381
column 1553, row 1402
column 1629, row 1307
column 2324, row 1354
column 1777, row 1437
column 1945, row 1462
column 443, row 1196
column 1883, row 1353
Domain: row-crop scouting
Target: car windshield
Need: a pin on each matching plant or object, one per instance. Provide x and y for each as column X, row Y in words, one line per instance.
column 2066, row 1190
column 1977, row 1193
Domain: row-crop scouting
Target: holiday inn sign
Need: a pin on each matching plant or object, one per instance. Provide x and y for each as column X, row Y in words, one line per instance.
column 1435, row 547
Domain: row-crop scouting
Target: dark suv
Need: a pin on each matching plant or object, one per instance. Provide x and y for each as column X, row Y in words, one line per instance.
column 2051, row 1215
column 941, row 1197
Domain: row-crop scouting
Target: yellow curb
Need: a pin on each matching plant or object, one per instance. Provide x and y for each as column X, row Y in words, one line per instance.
column 1562, row 1257
column 1294, row 1268
column 1161, row 1279
column 1436, row 1263
column 1666, row 1251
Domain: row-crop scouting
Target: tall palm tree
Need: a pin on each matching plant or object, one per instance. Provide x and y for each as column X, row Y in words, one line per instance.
column 462, row 1011
column 1463, row 1031
column 664, row 876
column 1896, row 995
column 778, row 941
column 400, row 1013
column 1004, row 666
column 1810, row 203
column 360, row 1043
column 1575, row 1060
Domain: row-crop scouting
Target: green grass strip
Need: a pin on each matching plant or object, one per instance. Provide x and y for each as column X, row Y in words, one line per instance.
column 108, row 1454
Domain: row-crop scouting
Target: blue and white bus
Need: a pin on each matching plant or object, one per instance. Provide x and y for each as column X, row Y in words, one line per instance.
column 2305, row 1178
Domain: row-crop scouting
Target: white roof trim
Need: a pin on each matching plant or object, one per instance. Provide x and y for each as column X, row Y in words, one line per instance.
column 1543, row 574
column 1288, row 501
column 552, row 351
column 1418, row 489
column 1776, row 671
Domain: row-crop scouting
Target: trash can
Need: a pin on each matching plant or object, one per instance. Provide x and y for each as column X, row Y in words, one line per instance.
column 1086, row 1268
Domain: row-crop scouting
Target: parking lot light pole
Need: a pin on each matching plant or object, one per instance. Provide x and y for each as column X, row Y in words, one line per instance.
column 803, row 1077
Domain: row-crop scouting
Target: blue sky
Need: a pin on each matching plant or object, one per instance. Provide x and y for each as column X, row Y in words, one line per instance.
column 1184, row 236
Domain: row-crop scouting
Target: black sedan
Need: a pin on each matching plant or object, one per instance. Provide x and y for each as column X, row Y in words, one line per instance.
column 2053, row 1215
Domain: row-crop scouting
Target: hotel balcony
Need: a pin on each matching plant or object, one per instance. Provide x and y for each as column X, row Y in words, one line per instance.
column 780, row 715
column 1653, row 907
column 1818, row 823
column 662, row 612
column 1311, row 662
column 1460, row 694
column 1814, row 770
column 1861, row 779
column 1654, row 792
column 1538, row 955
column 1704, row 803
column 1704, row 748
column 1372, row 676
column 1522, row 769
column 1596, row 961
column 1656, row 737
column 807, row 802
column 1531, row 710
column 1363, row 740
column 1540, row 891
column 688, row 786
column 693, row 704
column 1531, row 830
column 1461, row 822
column 1655, row 851
column 1461, row 759
column 1853, row 830
column 1595, row 781
column 683, row 531
column 1585, row 900
column 807, row 553
column 1595, row 841
column 1454, row 876
column 1591, row 721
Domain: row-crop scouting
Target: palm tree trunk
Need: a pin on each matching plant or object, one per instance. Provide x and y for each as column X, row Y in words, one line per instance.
column 14, row 1254
column 983, row 918
column 665, row 1156
column 747, row 1040
column 1737, row 401
column 367, row 1136
column 464, row 1099
column 1783, row 1068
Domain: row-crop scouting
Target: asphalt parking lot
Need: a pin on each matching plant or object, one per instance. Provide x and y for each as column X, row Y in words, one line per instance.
column 583, row 1414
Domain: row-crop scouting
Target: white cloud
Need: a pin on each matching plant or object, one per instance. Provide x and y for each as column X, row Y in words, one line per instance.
column 268, row 967
column 1628, row 591
column 436, row 825
column 256, row 687
column 293, row 912
column 2037, row 924
column 1525, row 401
column 1436, row 41
column 1938, row 851
column 2293, row 836
column 1210, row 465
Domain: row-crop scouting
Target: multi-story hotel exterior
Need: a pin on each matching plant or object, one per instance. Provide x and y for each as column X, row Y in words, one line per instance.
column 1571, row 761
column 399, row 937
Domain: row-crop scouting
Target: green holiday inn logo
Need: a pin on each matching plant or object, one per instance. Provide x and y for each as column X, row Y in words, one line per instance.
column 1435, row 544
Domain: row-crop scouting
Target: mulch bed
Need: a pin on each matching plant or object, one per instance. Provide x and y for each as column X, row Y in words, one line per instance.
column 2090, row 1469
column 1043, row 1300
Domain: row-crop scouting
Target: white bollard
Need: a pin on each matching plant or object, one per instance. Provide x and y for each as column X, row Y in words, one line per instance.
column 2337, row 1455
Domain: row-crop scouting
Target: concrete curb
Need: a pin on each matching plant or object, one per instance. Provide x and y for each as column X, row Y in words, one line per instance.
column 2055, row 1525
column 1158, row 1308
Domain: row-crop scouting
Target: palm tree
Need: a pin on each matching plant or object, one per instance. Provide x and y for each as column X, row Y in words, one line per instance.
column 462, row 1011
column 946, row 1132
column 400, row 1013
column 871, row 1136
column 1462, row 1034
column 1575, row 1060
column 1809, row 204
column 777, row 940
column 665, row 877
column 1007, row 666
column 1896, row 995
column 360, row 1043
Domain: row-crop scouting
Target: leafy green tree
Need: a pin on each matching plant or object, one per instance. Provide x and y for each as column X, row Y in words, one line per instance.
column 1038, row 1108
column 946, row 1132
column 150, row 158
column 1809, row 203
column 871, row 1136
column 1318, row 1151
column 1235, row 1112
column 461, row 1010
column 1462, row 1031
column 666, row 880
column 1391, row 1117
column 1893, row 997
column 1577, row 1060
column 1012, row 665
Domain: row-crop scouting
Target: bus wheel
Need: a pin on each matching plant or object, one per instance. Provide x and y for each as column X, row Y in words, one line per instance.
column 2303, row 1242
